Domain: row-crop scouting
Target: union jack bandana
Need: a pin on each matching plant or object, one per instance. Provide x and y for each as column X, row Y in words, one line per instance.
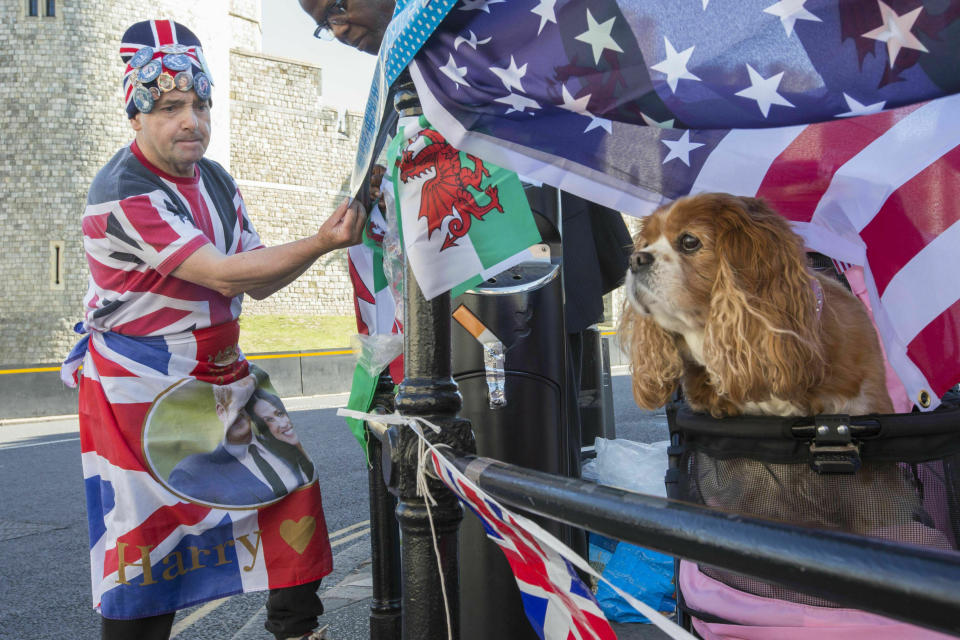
column 161, row 55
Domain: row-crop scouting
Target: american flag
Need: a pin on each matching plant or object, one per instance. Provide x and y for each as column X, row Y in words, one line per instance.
column 632, row 104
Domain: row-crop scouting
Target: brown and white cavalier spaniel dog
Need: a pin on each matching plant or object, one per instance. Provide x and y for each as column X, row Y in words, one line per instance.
column 721, row 301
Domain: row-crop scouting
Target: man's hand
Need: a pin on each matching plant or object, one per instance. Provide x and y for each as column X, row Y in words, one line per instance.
column 344, row 227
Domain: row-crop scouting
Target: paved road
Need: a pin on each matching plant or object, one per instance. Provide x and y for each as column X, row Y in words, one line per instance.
column 43, row 531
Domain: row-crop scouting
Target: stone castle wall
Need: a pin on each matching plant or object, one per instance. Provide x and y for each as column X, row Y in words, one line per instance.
column 61, row 112
column 290, row 157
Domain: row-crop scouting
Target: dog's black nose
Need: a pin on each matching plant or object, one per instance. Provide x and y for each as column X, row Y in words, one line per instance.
column 639, row 260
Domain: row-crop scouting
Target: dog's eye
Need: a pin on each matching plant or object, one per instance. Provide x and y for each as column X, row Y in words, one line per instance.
column 689, row 243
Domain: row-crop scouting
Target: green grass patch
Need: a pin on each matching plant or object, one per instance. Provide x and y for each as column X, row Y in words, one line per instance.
column 264, row 333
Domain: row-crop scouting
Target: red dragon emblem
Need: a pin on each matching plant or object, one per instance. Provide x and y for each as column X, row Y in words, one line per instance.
column 445, row 194
column 374, row 231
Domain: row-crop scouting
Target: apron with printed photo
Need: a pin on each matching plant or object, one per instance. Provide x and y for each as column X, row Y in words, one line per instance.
column 197, row 486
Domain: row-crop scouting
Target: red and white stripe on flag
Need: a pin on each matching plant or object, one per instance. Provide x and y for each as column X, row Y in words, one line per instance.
column 877, row 191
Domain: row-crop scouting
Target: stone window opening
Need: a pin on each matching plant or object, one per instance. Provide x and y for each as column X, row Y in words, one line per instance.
column 56, row 264
column 49, row 8
column 342, row 127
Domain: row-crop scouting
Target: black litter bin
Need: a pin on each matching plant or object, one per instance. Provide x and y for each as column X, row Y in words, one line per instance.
column 523, row 308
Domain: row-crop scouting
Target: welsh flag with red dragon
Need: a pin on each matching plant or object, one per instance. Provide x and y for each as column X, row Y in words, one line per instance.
column 462, row 220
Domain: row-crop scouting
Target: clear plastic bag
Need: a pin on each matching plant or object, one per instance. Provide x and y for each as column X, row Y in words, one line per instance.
column 634, row 466
column 376, row 352
column 393, row 251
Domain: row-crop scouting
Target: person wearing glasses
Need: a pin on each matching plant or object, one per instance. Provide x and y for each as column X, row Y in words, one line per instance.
column 356, row 23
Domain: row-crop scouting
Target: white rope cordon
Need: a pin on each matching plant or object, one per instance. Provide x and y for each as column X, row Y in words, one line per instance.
column 387, row 418
column 423, row 490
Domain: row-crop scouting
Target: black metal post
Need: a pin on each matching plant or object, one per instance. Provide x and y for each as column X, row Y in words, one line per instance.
column 431, row 586
column 385, row 608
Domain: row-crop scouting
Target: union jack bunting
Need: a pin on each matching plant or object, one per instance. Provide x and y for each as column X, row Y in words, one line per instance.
column 557, row 603
column 632, row 104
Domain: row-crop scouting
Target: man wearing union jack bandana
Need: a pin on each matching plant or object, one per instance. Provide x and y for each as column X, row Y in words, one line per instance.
column 171, row 252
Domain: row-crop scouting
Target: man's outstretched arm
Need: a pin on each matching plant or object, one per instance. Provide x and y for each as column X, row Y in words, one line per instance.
column 265, row 271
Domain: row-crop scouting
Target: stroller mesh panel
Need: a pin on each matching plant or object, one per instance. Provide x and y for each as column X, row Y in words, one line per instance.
column 913, row 502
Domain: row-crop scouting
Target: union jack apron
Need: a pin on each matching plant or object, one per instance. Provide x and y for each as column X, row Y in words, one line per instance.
column 179, row 513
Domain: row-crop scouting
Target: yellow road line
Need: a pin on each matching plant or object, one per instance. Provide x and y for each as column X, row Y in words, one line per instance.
column 352, row 536
column 301, row 355
column 312, row 354
column 342, row 352
column 362, row 523
column 197, row 615
column 33, row 370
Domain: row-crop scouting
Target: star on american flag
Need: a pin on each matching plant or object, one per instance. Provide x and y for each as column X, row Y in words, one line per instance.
column 598, row 36
column 895, row 31
column 675, row 65
column 764, row 91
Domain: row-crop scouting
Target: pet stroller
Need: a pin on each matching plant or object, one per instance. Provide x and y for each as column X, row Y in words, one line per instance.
column 894, row 476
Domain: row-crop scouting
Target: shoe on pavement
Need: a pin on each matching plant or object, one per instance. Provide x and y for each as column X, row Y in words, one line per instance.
column 316, row 634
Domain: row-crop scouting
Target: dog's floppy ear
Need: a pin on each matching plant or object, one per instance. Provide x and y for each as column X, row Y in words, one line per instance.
column 655, row 362
column 761, row 333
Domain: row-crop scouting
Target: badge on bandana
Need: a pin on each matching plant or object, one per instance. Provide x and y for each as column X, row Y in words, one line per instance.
column 141, row 57
column 150, row 71
column 176, row 62
column 183, row 80
column 143, row 99
column 201, row 84
column 165, row 82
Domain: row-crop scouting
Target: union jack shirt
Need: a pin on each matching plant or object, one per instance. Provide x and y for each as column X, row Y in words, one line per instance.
column 139, row 225
column 156, row 358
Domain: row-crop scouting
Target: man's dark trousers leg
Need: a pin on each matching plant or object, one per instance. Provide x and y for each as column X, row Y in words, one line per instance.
column 291, row 612
column 151, row 628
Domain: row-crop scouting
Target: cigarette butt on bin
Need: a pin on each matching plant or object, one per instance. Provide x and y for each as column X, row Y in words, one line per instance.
column 473, row 325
